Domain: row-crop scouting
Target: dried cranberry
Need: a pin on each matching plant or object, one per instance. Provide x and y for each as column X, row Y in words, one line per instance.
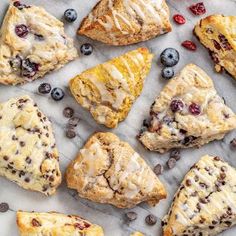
column 28, row 68
column 195, row 109
column 176, row 105
column 35, row 223
column 189, row 45
column 224, row 41
column 179, row 19
column 19, row 5
column 216, row 44
column 198, row 9
column 21, row 30
column 214, row 57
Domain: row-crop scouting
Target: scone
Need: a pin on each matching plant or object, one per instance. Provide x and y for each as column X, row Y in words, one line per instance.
column 187, row 113
column 136, row 234
column 123, row 22
column 217, row 33
column 55, row 224
column 32, row 43
column 108, row 170
column 205, row 202
column 28, row 153
column 109, row 89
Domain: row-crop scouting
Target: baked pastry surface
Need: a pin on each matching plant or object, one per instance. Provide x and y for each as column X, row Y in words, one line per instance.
column 28, row 153
column 32, row 43
column 109, row 89
column 205, row 202
column 187, row 113
column 136, row 234
column 217, row 33
column 123, row 22
column 52, row 223
column 108, row 170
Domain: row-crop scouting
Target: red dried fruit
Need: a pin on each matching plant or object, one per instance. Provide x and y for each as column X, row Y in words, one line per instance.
column 194, row 109
column 179, row 19
column 198, row 9
column 189, row 45
column 35, row 223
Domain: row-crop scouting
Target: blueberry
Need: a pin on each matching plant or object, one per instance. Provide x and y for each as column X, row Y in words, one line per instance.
column 167, row 72
column 86, row 49
column 169, row 57
column 70, row 15
column 57, row 94
column 176, row 105
column 195, row 109
column 44, row 88
column 28, row 68
column 21, row 30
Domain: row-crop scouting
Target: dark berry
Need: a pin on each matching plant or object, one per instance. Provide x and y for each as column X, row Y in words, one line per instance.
column 167, row 72
column 131, row 215
column 158, row 169
column 57, row 94
column 175, row 153
column 4, row 207
column 73, row 121
column 16, row 63
column 21, row 30
column 179, row 19
column 38, row 37
column 151, row 219
column 189, row 45
column 194, row 109
column 169, row 57
column 70, row 15
column 70, row 133
column 171, row 163
column 86, row 49
column 19, row 5
column 68, row 112
column 44, row 88
column 28, row 68
column 233, row 143
column 198, row 8
column 176, row 105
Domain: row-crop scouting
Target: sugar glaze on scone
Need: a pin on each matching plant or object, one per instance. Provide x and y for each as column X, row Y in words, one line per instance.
column 55, row 224
column 218, row 33
column 205, row 203
column 123, row 22
column 187, row 113
column 32, row 43
column 28, row 153
column 108, row 170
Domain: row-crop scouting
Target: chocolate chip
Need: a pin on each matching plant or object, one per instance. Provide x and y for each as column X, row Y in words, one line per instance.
column 151, row 219
column 68, row 112
column 233, row 143
column 35, row 223
column 171, row 163
column 70, row 133
column 22, row 144
column 28, row 160
column 131, row 216
column 158, row 169
column 6, row 158
column 27, row 180
column 73, row 121
column 188, row 182
column 175, row 153
column 4, row 207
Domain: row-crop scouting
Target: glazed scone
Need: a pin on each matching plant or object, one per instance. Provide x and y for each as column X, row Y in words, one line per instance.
column 108, row 170
column 28, row 153
column 123, row 22
column 55, row 224
column 109, row 89
column 32, row 43
column 205, row 203
column 218, row 33
column 187, row 113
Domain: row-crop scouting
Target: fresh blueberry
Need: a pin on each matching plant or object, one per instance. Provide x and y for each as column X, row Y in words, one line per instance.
column 167, row 73
column 176, row 105
column 57, row 94
column 44, row 88
column 21, row 30
column 28, row 68
column 86, row 49
column 70, row 15
column 195, row 109
column 169, row 57
column 15, row 63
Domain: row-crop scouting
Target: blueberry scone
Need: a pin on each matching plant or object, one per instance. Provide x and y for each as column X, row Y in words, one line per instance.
column 123, row 22
column 205, row 202
column 28, row 153
column 217, row 33
column 32, row 43
column 109, row 89
column 108, row 170
column 55, row 224
column 187, row 113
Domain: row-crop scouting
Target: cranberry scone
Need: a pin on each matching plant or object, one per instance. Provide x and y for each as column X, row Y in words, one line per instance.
column 108, row 170
column 109, row 89
column 28, row 153
column 217, row 33
column 52, row 223
column 187, row 113
column 32, row 43
column 124, row 22
column 205, row 202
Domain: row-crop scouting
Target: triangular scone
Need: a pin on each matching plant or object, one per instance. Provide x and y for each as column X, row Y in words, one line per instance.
column 123, row 22
column 217, row 33
column 187, row 113
column 108, row 170
column 109, row 89
column 205, row 203
column 52, row 223
column 32, row 43
column 28, row 153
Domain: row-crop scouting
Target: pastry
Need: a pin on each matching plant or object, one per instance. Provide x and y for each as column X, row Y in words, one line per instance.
column 123, row 22
column 205, row 202
column 217, row 34
column 187, row 113
column 109, row 89
column 52, row 223
column 32, row 43
column 136, row 234
column 28, row 154
column 108, row 170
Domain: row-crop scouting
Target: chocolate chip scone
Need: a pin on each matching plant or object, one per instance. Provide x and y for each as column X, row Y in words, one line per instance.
column 109, row 89
column 187, row 113
column 28, row 154
column 123, row 22
column 52, row 223
column 217, row 33
column 32, row 43
column 205, row 202
column 108, row 170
